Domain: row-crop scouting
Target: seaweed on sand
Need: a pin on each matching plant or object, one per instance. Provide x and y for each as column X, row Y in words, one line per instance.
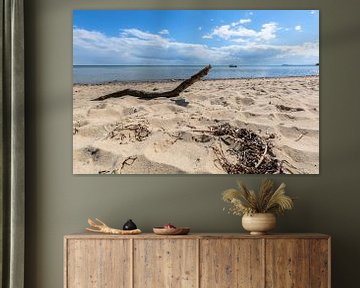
column 246, row 152
column 132, row 132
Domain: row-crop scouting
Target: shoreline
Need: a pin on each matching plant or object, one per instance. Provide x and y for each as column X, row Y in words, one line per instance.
column 128, row 135
column 178, row 80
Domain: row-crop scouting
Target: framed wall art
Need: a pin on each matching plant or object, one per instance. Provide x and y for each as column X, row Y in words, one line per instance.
column 195, row 92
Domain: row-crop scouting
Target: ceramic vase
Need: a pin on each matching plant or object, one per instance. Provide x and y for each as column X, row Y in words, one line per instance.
column 259, row 223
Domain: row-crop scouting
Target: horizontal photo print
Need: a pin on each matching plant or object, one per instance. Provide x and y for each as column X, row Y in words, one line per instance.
column 196, row 92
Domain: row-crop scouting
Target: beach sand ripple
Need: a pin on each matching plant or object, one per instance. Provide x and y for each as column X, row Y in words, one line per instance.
column 161, row 136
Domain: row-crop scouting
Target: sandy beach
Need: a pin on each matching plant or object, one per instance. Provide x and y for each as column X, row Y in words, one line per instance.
column 128, row 135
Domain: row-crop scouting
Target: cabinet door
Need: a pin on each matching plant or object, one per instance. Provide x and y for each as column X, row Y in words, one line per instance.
column 231, row 263
column 98, row 263
column 320, row 263
column 287, row 263
column 166, row 263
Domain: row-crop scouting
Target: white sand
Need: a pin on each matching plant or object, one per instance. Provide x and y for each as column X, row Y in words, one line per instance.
column 100, row 142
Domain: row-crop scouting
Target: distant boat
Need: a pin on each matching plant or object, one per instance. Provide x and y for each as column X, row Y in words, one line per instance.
column 232, row 66
column 317, row 64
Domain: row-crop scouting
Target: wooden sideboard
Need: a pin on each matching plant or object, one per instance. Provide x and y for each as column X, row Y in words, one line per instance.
column 197, row 260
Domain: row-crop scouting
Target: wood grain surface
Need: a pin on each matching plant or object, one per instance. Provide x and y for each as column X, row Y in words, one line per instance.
column 98, row 263
column 320, row 263
column 88, row 235
column 287, row 263
column 197, row 260
column 231, row 263
column 165, row 263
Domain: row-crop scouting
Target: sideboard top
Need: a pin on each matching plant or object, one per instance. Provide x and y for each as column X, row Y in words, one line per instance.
column 87, row 235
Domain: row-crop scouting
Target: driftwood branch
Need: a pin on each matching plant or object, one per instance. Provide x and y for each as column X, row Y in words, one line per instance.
column 101, row 227
column 151, row 95
column 262, row 157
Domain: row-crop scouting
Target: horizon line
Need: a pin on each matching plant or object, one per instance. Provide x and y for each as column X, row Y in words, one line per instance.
column 283, row 64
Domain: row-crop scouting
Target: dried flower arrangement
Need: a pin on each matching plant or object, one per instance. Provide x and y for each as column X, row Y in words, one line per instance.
column 246, row 202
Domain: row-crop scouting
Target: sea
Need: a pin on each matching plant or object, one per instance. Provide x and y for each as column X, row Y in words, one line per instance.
column 96, row 74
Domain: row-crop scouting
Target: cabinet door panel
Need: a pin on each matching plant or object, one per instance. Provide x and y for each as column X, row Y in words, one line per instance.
column 287, row 263
column 166, row 263
column 231, row 263
column 319, row 263
column 98, row 264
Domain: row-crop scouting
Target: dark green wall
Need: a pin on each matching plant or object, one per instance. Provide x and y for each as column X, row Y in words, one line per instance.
column 59, row 203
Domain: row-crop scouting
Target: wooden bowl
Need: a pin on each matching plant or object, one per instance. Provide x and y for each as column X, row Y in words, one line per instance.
column 171, row 231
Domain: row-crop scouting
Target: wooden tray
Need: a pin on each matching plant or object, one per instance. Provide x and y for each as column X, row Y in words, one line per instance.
column 171, row 231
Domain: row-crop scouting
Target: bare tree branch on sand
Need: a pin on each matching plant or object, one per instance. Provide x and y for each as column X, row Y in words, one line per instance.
column 151, row 95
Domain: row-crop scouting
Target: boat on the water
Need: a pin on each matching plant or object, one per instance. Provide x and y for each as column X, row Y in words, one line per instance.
column 232, row 66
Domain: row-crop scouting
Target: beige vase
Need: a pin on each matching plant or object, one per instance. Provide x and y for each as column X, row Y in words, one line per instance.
column 259, row 223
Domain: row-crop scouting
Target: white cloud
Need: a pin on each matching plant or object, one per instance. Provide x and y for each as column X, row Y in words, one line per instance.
column 227, row 32
column 312, row 12
column 241, row 21
column 298, row 28
column 133, row 46
column 234, row 32
column 164, row 32
column 241, row 40
column 268, row 31
column 251, row 13
column 199, row 28
column 244, row 21
column 255, row 53
column 141, row 35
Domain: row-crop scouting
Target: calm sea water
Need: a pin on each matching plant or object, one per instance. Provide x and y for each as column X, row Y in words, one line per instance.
column 106, row 73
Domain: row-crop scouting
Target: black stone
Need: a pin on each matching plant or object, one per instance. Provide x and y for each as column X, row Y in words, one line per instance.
column 129, row 225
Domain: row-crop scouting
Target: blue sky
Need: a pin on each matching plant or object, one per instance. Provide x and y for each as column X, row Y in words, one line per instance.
column 162, row 37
